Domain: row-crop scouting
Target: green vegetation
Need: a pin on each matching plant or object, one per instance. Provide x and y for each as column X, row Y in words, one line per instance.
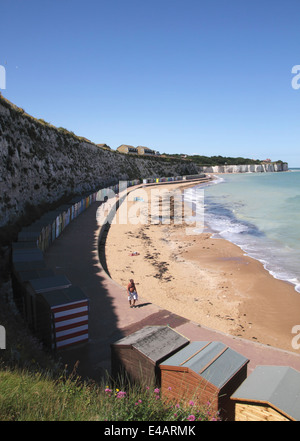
column 26, row 396
column 216, row 160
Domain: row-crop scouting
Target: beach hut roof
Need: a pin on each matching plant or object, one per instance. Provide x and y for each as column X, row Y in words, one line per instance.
column 155, row 342
column 64, row 296
column 24, row 246
column 27, row 255
column 51, row 283
column 29, row 265
column 50, row 215
column 76, row 199
column 25, row 276
column 278, row 386
column 64, row 207
column 29, row 234
column 213, row 361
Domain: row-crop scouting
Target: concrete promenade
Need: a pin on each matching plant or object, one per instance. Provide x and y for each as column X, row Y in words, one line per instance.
column 75, row 254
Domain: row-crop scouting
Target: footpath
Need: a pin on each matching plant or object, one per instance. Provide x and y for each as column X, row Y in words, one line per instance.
column 76, row 255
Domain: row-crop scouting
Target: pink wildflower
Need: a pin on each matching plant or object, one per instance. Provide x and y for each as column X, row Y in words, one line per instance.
column 191, row 418
column 121, row 394
column 191, row 403
column 156, row 391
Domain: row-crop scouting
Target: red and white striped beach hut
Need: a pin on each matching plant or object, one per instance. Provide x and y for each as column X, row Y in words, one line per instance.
column 63, row 317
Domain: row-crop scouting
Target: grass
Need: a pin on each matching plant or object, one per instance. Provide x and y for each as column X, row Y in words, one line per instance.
column 36, row 396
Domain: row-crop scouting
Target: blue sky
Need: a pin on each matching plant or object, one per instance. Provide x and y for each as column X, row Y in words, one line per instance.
column 208, row 77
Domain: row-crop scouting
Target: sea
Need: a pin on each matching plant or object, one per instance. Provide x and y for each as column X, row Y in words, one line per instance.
column 259, row 212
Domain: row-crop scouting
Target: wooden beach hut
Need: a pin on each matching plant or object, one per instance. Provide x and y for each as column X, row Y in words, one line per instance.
column 204, row 372
column 53, row 221
column 270, row 393
column 138, row 355
column 26, row 256
column 30, row 234
column 62, row 317
column 19, row 290
column 20, row 277
column 23, row 245
column 38, row 286
column 65, row 211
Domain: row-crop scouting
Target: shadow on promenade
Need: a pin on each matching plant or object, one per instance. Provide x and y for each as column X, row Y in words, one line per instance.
column 75, row 255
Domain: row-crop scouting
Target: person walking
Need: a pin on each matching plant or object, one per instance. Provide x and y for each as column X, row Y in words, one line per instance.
column 132, row 293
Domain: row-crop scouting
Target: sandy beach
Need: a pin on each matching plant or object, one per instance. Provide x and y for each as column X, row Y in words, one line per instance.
column 206, row 280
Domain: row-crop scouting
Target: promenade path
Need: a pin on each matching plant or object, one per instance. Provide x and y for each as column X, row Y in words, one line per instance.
column 75, row 254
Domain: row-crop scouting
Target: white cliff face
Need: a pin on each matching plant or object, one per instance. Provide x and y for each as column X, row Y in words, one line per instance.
column 251, row 168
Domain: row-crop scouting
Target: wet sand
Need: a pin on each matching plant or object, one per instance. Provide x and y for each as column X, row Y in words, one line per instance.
column 206, row 280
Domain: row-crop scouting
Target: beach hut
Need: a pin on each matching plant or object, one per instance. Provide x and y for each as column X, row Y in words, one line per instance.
column 270, row 393
column 75, row 205
column 27, row 265
column 30, row 234
column 23, row 245
column 204, row 372
column 38, row 286
column 62, row 317
column 53, row 221
column 20, row 277
column 138, row 355
column 65, row 211
column 26, row 256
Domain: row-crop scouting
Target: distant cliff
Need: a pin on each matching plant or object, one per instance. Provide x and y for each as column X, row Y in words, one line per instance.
column 252, row 168
column 41, row 164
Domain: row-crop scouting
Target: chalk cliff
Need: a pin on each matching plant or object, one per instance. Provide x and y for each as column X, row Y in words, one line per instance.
column 40, row 164
column 251, row 168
